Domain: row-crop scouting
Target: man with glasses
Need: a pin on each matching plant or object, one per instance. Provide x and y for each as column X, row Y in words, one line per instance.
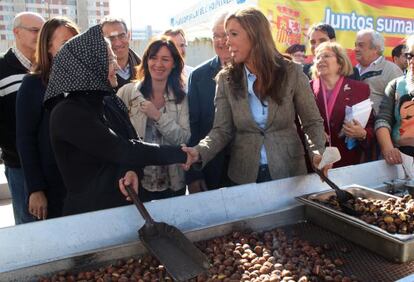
column 373, row 68
column 115, row 29
column 14, row 64
column 202, row 89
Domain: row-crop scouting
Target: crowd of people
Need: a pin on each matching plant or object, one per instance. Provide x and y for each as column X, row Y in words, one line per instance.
column 82, row 115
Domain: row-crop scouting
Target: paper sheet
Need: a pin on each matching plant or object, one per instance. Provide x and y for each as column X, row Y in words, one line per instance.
column 359, row 112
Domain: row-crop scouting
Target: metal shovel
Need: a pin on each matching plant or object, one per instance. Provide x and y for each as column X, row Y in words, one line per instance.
column 342, row 196
column 180, row 257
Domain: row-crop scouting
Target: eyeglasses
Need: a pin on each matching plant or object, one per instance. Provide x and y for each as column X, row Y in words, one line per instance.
column 217, row 37
column 324, row 57
column 121, row 36
column 409, row 56
column 31, row 29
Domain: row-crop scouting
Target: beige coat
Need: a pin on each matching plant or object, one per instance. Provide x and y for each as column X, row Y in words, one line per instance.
column 285, row 153
column 173, row 124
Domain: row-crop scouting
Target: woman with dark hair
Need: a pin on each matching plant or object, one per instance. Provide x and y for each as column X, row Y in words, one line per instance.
column 158, row 109
column 258, row 97
column 93, row 155
column 42, row 177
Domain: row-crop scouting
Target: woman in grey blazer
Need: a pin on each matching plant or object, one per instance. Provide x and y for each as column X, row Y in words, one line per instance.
column 258, row 97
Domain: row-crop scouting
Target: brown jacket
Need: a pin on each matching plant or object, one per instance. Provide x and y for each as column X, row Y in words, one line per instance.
column 285, row 153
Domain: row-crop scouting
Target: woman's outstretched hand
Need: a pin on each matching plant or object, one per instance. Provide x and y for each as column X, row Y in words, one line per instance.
column 193, row 156
column 130, row 179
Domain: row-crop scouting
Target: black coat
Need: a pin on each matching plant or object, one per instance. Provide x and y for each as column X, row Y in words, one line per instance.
column 11, row 76
column 201, row 93
column 33, row 141
column 92, row 157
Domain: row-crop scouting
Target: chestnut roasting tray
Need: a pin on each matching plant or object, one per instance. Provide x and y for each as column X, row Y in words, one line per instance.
column 395, row 247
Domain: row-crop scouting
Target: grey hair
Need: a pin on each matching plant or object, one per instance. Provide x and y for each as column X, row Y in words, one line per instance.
column 410, row 42
column 219, row 18
column 377, row 41
column 17, row 21
column 113, row 20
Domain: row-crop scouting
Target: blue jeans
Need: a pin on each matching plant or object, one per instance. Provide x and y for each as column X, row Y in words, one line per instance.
column 15, row 180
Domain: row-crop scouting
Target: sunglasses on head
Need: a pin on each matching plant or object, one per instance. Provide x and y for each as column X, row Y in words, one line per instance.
column 409, row 56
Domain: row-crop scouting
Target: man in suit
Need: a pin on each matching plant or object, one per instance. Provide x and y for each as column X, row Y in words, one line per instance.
column 201, row 94
column 115, row 29
column 14, row 64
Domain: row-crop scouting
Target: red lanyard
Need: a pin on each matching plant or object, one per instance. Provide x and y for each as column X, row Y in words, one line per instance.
column 329, row 105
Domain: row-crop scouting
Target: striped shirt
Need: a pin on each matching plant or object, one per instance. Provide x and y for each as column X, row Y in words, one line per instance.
column 10, row 84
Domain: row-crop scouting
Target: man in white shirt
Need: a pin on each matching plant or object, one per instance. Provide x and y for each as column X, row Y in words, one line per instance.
column 373, row 68
column 178, row 37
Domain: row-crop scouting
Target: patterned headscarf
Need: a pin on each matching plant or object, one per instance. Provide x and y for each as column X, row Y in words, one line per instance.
column 81, row 65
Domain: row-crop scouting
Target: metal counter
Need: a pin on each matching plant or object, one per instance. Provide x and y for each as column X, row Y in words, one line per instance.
column 43, row 247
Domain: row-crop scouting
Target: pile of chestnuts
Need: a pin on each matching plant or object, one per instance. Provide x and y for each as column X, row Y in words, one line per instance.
column 270, row 256
column 395, row 215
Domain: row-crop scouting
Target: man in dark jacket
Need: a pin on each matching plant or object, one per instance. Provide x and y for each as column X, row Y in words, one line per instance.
column 201, row 92
column 115, row 29
column 14, row 64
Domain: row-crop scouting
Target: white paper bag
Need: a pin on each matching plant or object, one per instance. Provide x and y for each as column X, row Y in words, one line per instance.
column 330, row 156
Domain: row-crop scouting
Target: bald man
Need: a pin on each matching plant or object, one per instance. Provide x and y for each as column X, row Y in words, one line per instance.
column 14, row 64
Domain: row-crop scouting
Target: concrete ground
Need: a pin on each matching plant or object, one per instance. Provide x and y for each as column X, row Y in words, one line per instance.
column 6, row 209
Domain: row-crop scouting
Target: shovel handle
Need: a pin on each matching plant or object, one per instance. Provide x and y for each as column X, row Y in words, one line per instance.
column 140, row 206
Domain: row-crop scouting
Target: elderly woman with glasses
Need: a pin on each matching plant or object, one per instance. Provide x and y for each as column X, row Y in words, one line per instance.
column 394, row 124
column 333, row 93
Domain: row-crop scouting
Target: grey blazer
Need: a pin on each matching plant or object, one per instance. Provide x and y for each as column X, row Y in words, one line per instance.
column 285, row 153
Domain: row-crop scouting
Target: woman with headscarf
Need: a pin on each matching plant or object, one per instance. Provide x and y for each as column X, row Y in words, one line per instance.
column 258, row 97
column 394, row 124
column 158, row 109
column 91, row 155
column 42, row 177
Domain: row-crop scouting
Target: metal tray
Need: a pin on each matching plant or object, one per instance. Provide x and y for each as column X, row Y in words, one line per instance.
column 396, row 247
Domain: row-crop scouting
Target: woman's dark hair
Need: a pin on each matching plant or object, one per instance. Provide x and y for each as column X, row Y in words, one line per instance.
column 43, row 63
column 175, row 80
column 296, row 48
column 268, row 62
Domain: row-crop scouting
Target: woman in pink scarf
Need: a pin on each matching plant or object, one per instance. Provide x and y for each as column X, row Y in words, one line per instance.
column 333, row 92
